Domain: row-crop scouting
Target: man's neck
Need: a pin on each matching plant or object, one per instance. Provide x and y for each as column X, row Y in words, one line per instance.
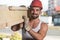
column 34, row 19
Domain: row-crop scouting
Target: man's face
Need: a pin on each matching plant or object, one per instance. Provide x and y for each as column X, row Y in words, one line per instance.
column 35, row 12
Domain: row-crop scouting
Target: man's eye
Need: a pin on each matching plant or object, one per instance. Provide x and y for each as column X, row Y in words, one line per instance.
column 37, row 9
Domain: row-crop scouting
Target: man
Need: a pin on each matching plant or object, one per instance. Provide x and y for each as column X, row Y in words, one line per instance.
column 35, row 29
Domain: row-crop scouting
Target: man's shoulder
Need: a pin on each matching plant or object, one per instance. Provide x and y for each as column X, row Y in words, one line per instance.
column 43, row 24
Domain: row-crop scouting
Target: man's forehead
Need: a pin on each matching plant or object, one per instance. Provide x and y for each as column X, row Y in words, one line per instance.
column 35, row 7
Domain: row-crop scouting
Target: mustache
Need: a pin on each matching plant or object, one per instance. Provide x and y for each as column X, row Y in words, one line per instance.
column 34, row 14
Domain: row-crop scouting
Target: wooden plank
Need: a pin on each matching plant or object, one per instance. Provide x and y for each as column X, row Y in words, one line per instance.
column 11, row 17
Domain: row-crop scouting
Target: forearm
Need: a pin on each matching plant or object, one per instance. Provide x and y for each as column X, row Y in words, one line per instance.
column 36, row 35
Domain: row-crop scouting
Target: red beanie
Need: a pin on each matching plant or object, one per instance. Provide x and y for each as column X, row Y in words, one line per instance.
column 36, row 3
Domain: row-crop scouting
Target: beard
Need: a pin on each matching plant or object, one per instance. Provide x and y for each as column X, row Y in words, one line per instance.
column 34, row 16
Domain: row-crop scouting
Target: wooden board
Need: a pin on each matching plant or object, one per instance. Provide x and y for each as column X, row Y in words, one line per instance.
column 10, row 17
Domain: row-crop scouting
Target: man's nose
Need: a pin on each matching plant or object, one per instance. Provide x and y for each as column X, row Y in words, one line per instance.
column 34, row 11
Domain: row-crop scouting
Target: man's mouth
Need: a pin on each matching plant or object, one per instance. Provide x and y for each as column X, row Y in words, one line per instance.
column 34, row 14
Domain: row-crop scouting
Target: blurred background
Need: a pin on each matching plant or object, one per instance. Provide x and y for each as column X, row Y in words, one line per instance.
column 50, row 14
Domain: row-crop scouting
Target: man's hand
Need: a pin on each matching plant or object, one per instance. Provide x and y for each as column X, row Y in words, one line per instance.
column 27, row 26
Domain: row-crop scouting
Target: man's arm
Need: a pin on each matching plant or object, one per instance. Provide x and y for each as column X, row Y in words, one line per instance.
column 42, row 32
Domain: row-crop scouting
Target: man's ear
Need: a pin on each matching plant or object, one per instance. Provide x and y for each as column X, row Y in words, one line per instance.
column 40, row 12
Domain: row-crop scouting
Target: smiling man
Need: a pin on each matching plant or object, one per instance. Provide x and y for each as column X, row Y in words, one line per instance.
column 35, row 29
